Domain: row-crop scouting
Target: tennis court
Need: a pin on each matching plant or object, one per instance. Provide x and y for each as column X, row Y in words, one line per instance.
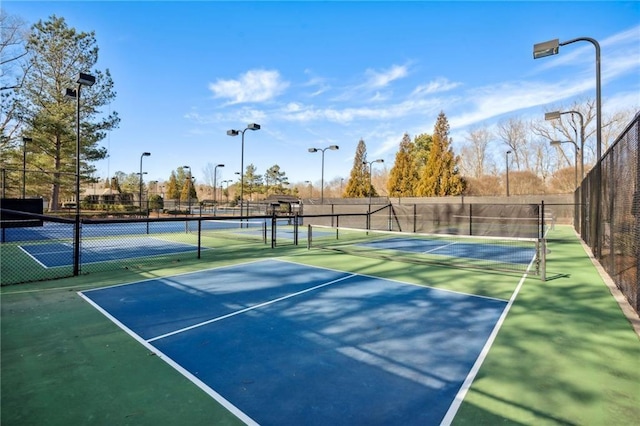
column 288, row 335
column 58, row 254
column 278, row 342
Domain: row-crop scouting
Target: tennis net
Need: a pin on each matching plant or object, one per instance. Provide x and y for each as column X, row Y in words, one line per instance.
column 481, row 252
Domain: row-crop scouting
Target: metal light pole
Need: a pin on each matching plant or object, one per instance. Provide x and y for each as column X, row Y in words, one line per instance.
column 144, row 154
column 558, row 143
column 188, row 188
column 370, row 163
column 506, row 156
column 333, row 148
column 83, row 80
column 227, row 187
column 553, row 115
column 24, row 164
column 552, row 47
column 215, row 176
column 232, row 132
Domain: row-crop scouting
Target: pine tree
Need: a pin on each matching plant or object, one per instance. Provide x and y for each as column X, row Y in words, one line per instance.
column 440, row 176
column 57, row 54
column 403, row 177
column 173, row 189
column 358, row 185
column 275, row 180
column 252, row 180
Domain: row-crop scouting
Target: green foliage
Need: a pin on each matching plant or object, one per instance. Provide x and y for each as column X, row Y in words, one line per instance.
column 156, row 202
column 173, row 188
column 421, row 148
column 57, row 54
column 358, row 185
column 275, row 181
column 252, row 180
column 440, row 176
column 404, row 174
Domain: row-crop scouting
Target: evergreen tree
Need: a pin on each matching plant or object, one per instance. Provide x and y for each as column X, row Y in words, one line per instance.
column 57, row 54
column 420, row 153
column 173, row 188
column 252, row 180
column 358, row 185
column 187, row 185
column 440, row 176
column 275, row 180
column 403, row 177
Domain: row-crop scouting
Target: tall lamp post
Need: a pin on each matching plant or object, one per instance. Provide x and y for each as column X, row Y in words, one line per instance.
column 552, row 47
column 558, row 143
column 506, row 160
column 554, row 115
column 188, row 187
column 144, row 154
column 227, row 187
column 83, row 80
column 24, row 164
column 215, row 176
column 333, row 148
column 232, row 132
column 370, row 163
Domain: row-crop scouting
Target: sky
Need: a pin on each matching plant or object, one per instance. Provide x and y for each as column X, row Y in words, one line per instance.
column 315, row 74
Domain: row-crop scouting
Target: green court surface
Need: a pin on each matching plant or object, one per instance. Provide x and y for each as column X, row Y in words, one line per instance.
column 565, row 355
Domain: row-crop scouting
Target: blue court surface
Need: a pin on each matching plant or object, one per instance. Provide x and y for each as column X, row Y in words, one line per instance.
column 56, row 254
column 494, row 252
column 280, row 343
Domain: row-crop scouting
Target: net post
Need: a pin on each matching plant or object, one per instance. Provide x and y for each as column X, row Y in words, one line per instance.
column 199, row 235
column 415, row 217
column 76, row 243
column 308, row 237
column 470, row 219
column 542, row 244
column 295, row 229
column 273, row 230
column 264, row 231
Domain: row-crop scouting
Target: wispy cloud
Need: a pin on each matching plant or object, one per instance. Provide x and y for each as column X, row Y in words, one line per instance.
column 252, row 86
column 438, row 85
column 375, row 80
column 378, row 79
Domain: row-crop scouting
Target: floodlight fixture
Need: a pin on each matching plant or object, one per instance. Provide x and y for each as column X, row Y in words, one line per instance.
column 86, row 80
column 547, row 48
column 332, row 148
column 553, row 115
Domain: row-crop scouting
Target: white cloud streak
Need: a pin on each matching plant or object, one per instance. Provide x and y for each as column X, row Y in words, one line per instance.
column 252, row 86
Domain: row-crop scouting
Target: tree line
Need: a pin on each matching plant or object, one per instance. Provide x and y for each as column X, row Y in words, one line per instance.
column 38, row 123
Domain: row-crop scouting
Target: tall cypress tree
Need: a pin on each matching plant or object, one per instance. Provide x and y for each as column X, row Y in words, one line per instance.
column 358, row 185
column 440, row 176
column 403, row 177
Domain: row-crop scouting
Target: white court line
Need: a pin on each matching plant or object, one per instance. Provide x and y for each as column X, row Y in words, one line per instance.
column 250, row 308
column 393, row 280
column 37, row 261
column 215, row 395
column 466, row 385
column 439, row 247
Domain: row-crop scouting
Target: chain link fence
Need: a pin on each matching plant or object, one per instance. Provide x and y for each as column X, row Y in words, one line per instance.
column 614, row 234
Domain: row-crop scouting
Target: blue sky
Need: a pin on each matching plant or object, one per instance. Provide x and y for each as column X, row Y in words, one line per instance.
column 315, row 74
